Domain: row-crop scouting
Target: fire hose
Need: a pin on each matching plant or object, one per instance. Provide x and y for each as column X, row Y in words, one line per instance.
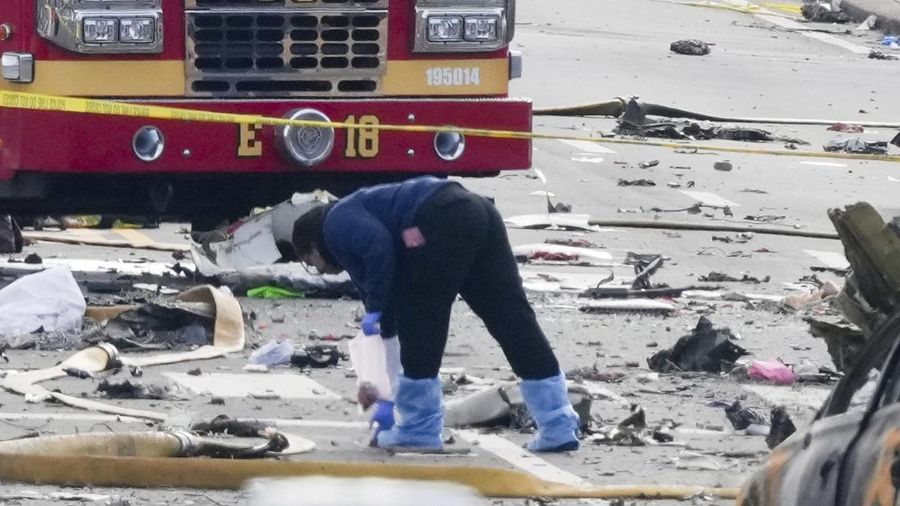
column 150, row 460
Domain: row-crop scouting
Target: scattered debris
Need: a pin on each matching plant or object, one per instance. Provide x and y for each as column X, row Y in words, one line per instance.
column 704, row 349
column 644, row 267
column 857, row 145
column 553, row 257
column 847, row 127
column 739, row 238
column 799, row 301
column 781, row 427
column 824, row 11
column 592, row 373
column 845, row 341
column 273, row 352
column 741, row 417
column 771, row 371
column 164, row 323
column 78, row 373
column 633, row 431
column 504, row 407
column 691, row 47
column 273, row 292
column 573, row 242
column 317, row 356
column 636, row 182
column 587, row 255
column 559, row 207
column 126, row 389
column 869, row 23
column 687, row 184
column 718, row 277
column 764, row 218
column 696, row 461
column 878, row 55
column 724, row 166
column 11, row 240
column 47, row 301
column 623, row 292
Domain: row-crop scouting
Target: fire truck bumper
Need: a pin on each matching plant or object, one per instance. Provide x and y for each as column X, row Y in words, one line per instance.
column 41, row 142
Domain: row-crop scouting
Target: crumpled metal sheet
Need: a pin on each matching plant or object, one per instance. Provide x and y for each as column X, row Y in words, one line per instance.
column 857, row 145
column 705, row 349
column 247, row 254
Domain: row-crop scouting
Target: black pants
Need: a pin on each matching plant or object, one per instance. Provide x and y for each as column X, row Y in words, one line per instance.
column 466, row 252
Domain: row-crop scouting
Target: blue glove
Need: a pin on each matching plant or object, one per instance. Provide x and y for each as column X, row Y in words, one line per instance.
column 383, row 415
column 371, row 325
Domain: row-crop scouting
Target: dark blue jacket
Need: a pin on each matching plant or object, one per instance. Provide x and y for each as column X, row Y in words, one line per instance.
column 363, row 233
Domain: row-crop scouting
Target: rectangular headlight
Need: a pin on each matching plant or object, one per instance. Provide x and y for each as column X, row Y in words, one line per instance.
column 101, row 30
column 445, row 28
column 481, row 28
column 137, row 29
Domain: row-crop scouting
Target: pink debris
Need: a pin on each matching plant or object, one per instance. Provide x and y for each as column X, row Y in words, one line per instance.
column 847, row 127
column 772, row 371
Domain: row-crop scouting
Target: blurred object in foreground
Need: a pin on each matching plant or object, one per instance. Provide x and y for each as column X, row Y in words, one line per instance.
column 324, row 491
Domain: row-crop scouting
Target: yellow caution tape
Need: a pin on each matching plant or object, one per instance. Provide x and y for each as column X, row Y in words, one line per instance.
column 749, row 8
column 37, row 102
column 784, row 7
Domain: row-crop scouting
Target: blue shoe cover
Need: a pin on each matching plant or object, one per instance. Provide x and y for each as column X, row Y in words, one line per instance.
column 420, row 409
column 557, row 423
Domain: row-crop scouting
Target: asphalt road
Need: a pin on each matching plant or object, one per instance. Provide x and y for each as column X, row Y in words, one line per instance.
column 581, row 51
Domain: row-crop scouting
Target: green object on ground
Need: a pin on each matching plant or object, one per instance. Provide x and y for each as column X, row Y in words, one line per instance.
column 273, row 292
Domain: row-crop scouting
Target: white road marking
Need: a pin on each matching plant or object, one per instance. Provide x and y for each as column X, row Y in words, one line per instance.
column 831, row 259
column 709, row 198
column 86, row 233
column 810, row 397
column 586, row 158
column 590, row 147
column 286, row 386
column 135, row 236
column 89, row 417
column 520, row 457
column 824, row 164
column 790, row 24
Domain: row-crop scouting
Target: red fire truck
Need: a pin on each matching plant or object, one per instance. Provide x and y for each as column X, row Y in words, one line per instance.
column 363, row 62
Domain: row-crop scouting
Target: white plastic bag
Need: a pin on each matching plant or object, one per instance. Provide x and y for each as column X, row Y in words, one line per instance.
column 273, row 353
column 368, row 358
column 48, row 299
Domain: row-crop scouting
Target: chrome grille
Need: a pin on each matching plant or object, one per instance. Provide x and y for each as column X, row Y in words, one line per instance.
column 277, row 52
column 267, row 4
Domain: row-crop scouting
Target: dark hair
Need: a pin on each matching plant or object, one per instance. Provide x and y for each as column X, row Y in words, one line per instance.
column 308, row 233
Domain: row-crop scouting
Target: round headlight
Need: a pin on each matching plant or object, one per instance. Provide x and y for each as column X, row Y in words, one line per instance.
column 148, row 143
column 306, row 145
column 449, row 145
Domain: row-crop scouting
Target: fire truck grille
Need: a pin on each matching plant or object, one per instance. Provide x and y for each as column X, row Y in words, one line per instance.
column 285, row 53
